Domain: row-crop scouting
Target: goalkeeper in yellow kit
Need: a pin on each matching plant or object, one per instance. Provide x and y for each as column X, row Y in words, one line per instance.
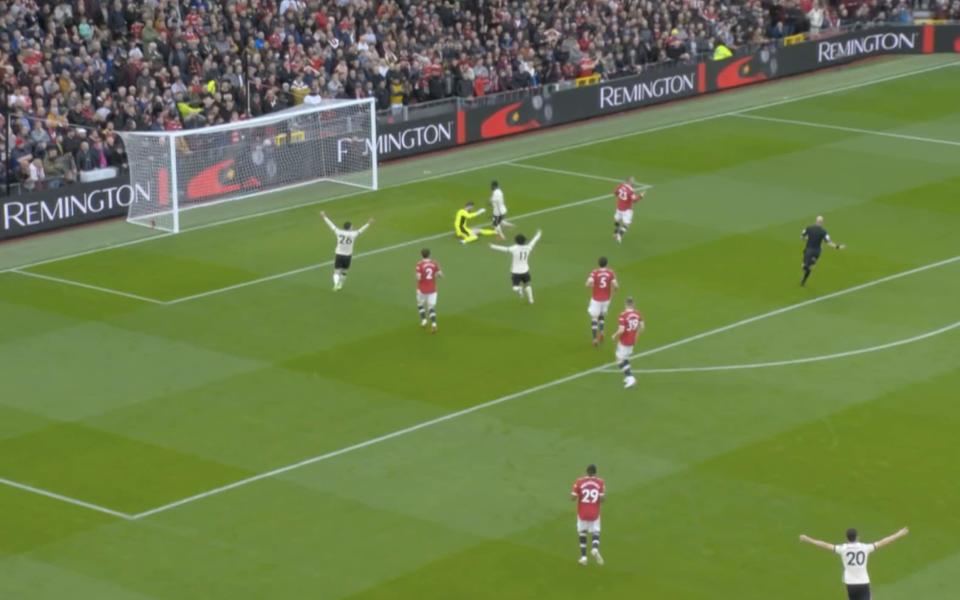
column 461, row 228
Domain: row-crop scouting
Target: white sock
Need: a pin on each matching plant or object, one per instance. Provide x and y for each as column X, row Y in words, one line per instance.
column 499, row 230
column 518, row 290
column 530, row 294
column 336, row 278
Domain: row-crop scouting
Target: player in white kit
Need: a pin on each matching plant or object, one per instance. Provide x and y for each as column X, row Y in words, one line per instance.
column 520, row 266
column 854, row 556
column 344, row 253
column 498, row 208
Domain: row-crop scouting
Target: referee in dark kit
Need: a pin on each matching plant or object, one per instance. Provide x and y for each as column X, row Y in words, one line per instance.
column 815, row 235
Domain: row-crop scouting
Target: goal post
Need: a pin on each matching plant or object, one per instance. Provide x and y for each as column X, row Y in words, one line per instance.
column 334, row 141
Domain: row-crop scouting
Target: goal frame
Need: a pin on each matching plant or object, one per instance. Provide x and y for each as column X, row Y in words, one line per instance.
column 277, row 117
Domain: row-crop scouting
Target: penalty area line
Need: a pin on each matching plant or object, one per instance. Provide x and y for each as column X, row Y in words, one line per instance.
column 797, row 361
column 66, row 499
column 537, row 388
column 86, row 286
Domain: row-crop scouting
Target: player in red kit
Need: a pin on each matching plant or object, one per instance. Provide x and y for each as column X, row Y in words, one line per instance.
column 631, row 325
column 604, row 282
column 427, row 273
column 588, row 493
column 626, row 198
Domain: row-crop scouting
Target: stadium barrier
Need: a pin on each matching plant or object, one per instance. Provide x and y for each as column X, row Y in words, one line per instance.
column 462, row 122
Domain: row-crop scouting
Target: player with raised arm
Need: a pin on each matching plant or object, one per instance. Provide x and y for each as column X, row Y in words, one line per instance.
column 626, row 197
column 815, row 235
column 588, row 492
column 604, row 282
column 520, row 266
column 344, row 252
column 499, row 209
column 427, row 271
column 854, row 555
column 461, row 224
column 631, row 325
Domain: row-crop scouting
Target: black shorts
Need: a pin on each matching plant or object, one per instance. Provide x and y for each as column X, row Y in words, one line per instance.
column 859, row 591
column 520, row 278
column 497, row 219
column 341, row 262
column 810, row 257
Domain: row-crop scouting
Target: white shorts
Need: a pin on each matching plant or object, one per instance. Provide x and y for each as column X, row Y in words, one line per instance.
column 588, row 526
column 598, row 307
column 623, row 352
column 624, row 216
column 430, row 300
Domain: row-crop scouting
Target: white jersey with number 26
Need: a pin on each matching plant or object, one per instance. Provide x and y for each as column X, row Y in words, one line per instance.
column 345, row 237
column 854, row 556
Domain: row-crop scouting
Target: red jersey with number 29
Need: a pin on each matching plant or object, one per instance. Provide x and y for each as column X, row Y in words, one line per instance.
column 603, row 280
column 630, row 321
column 589, row 491
column 625, row 197
column 427, row 271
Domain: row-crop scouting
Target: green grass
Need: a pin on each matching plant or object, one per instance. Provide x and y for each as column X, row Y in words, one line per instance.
column 131, row 405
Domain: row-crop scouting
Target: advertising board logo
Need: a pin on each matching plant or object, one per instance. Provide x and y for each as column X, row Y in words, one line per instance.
column 616, row 96
column 72, row 207
column 218, row 179
column 828, row 51
column 740, row 71
column 407, row 140
column 512, row 118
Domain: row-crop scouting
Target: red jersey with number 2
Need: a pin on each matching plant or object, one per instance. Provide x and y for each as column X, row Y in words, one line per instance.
column 427, row 271
column 603, row 280
column 630, row 321
column 589, row 491
column 625, row 197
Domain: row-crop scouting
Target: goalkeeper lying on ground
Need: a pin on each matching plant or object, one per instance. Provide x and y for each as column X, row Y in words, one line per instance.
column 463, row 231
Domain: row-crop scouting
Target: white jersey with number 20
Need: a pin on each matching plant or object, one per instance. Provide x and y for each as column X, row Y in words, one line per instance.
column 854, row 556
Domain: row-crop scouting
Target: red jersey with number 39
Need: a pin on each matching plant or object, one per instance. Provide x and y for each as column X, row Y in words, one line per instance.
column 589, row 491
column 603, row 280
column 630, row 321
column 625, row 197
column 427, row 271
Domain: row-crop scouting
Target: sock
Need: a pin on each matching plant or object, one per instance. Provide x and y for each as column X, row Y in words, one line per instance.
column 616, row 228
column 806, row 274
column 518, row 290
column 336, row 278
column 343, row 279
column 433, row 316
column 499, row 230
column 530, row 294
column 600, row 323
column 583, row 545
column 487, row 231
column 593, row 327
column 596, row 541
column 625, row 367
column 423, row 312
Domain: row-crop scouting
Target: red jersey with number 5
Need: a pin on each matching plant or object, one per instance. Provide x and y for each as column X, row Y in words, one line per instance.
column 630, row 320
column 603, row 280
column 427, row 271
column 625, row 197
column 588, row 491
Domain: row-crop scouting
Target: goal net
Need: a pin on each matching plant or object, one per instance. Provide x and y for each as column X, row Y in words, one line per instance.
column 188, row 169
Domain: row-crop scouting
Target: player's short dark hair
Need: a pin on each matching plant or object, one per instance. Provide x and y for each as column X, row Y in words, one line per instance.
column 347, row 224
column 851, row 535
column 494, row 184
column 425, row 253
column 469, row 203
column 629, row 300
column 591, row 469
column 603, row 261
column 521, row 239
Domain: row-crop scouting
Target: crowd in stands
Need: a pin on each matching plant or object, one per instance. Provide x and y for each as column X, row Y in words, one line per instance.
column 75, row 72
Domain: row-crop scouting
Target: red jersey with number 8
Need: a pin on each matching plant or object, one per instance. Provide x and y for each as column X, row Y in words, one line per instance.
column 625, row 197
column 602, row 283
column 630, row 321
column 589, row 491
column 427, row 271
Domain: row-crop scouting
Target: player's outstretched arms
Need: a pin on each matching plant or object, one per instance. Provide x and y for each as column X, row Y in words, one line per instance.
column 891, row 538
column 365, row 226
column 818, row 543
column 326, row 219
column 536, row 238
column 479, row 212
column 618, row 332
column 589, row 281
column 499, row 248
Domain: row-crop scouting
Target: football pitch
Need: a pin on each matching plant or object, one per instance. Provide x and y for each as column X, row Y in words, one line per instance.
column 200, row 416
